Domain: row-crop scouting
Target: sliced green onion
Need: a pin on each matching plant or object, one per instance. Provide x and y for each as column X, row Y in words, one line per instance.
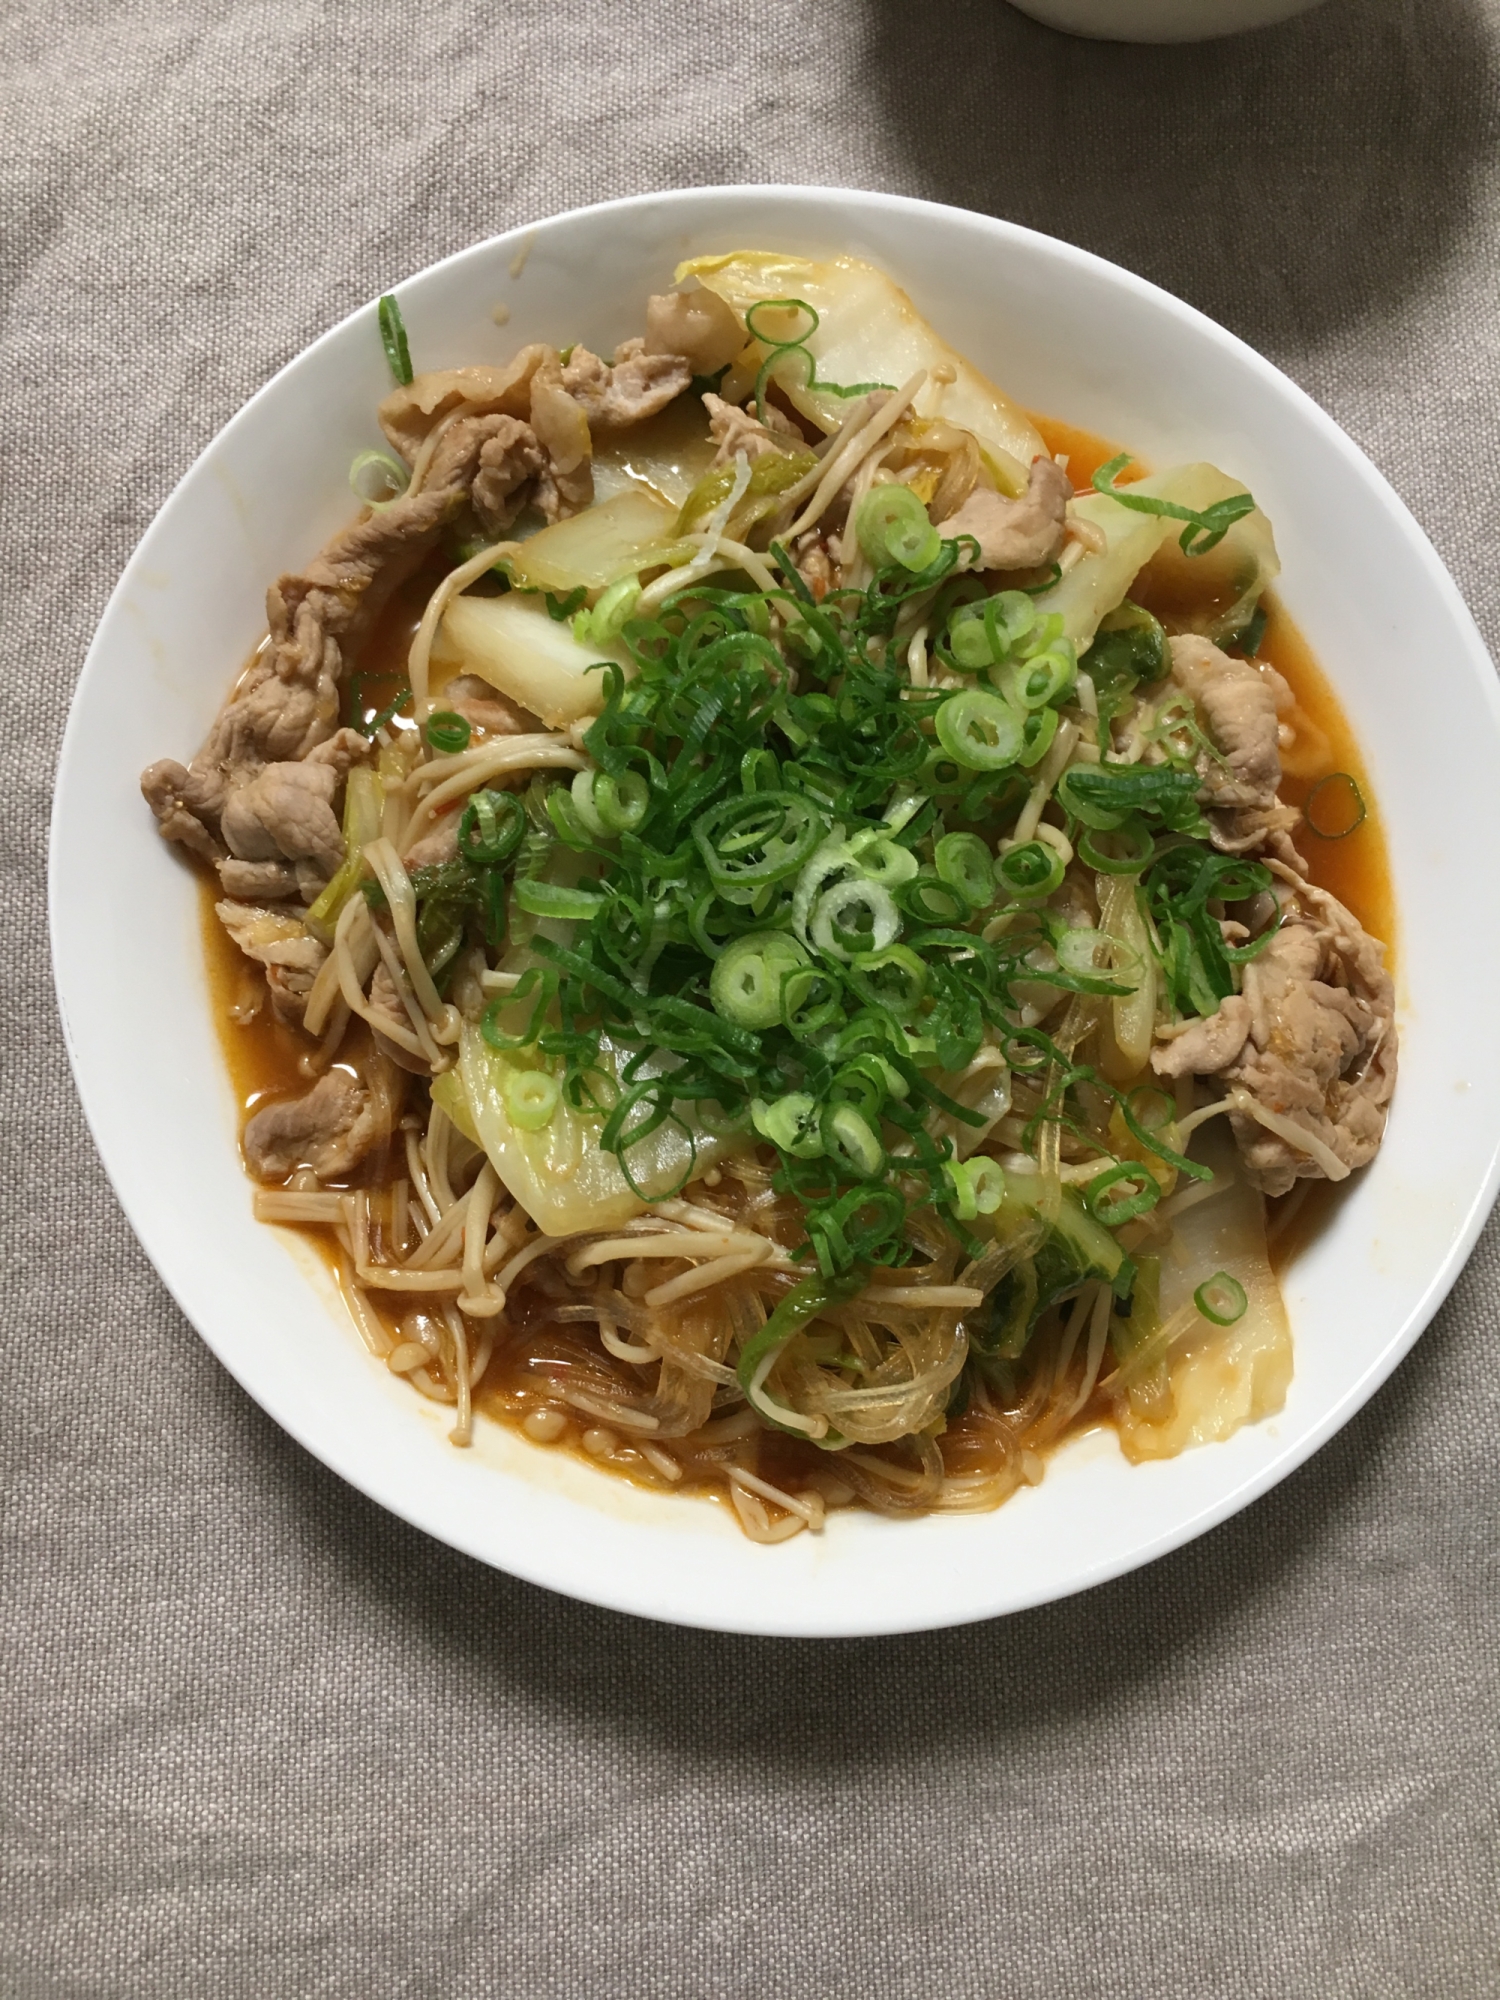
column 850, row 1140
column 539, row 982
column 866, row 1083
column 759, row 772
column 1043, row 678
column 1125, row 851
column 978, row 1186
column 1101, row 795
column 757, row 838
column 931, row 900
column 1221, row 1299
column 801, row 1305
column 490, row 828
column 1204, row 531
column 1041, row 728
column 1078, row 950
column 745, row 985
column 983, row 634
column 894, row 979
column 377, row 479
column 832, row 929
column 884, row 861
column 964, row 863
column 1032, row 869
column 780, row 349
column 605, row 622
column 552, row 899
column 979, row 730
column 755, row 314
column 581, row 794
column 393, row 339
column 1334, row 807
column 894, row 526
column 791, row 1123
column 622, row 802
column 811, row 1002
column 378, row 721
column 447, row 732
column 531, row 1097
column 1153, row 1108
column 1120, row 1194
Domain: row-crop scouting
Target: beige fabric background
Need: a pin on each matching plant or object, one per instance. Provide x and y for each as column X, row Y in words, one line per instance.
column 258, row 1740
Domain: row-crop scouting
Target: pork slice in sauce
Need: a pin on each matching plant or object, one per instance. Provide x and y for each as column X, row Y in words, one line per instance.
column 561, row 424
column 485, row 708
column 636, row 385
column 331, row 1129
column 281, row 942
column 697, row 327
column 285, row 813
column 1311, row 1039
column 409, row 415
column 735, row 430
column 1241, row 706
column 509, row 461
column 286, row 707
column 1016, row 534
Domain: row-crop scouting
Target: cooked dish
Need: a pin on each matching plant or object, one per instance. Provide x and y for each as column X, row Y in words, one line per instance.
column 804, row 983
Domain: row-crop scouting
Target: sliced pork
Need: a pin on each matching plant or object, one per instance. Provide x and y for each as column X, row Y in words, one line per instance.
column 331, row 1129
column 1016, row 534
column 1310, row 1041
column 635, row 386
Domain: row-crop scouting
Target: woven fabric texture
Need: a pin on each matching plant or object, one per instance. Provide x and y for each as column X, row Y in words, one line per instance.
column 258, row 1740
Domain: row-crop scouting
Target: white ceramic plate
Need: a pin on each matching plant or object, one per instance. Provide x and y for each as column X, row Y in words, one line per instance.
column 1068, row 335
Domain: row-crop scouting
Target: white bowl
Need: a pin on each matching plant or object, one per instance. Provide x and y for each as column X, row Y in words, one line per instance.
column 1161, row 20
column 1068, row 335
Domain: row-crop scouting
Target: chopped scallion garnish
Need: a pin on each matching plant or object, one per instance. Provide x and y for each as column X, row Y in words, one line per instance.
column 1221, row 1299
column 447, row 732
column 1205, row 529
column 393, row 338
column 1334, row 807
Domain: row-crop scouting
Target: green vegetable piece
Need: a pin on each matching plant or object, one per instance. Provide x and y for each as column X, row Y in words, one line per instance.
column 377, row 479
column 393, row 339
column 1130, row 647
column 552, row 899
column 447, row 732
column 894, row 526
column 1030, row 870
column 964, row 863
column 746, row 984
column 1221, row 1299
column 490, row 828
column 757, row 839
column 851, row 1141
column 1335, row 807
column 979, row 730
column 1121, row 1193
column 1204, row 531
column 531, row 1098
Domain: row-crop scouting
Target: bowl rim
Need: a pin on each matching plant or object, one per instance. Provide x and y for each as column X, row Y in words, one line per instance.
column 298, row 1418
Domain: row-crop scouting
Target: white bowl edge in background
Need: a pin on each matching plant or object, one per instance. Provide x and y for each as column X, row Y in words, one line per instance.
column 1066, row 333
column 1161, row 20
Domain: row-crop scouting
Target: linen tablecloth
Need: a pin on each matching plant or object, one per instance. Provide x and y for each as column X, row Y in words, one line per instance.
column 258, row 1739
